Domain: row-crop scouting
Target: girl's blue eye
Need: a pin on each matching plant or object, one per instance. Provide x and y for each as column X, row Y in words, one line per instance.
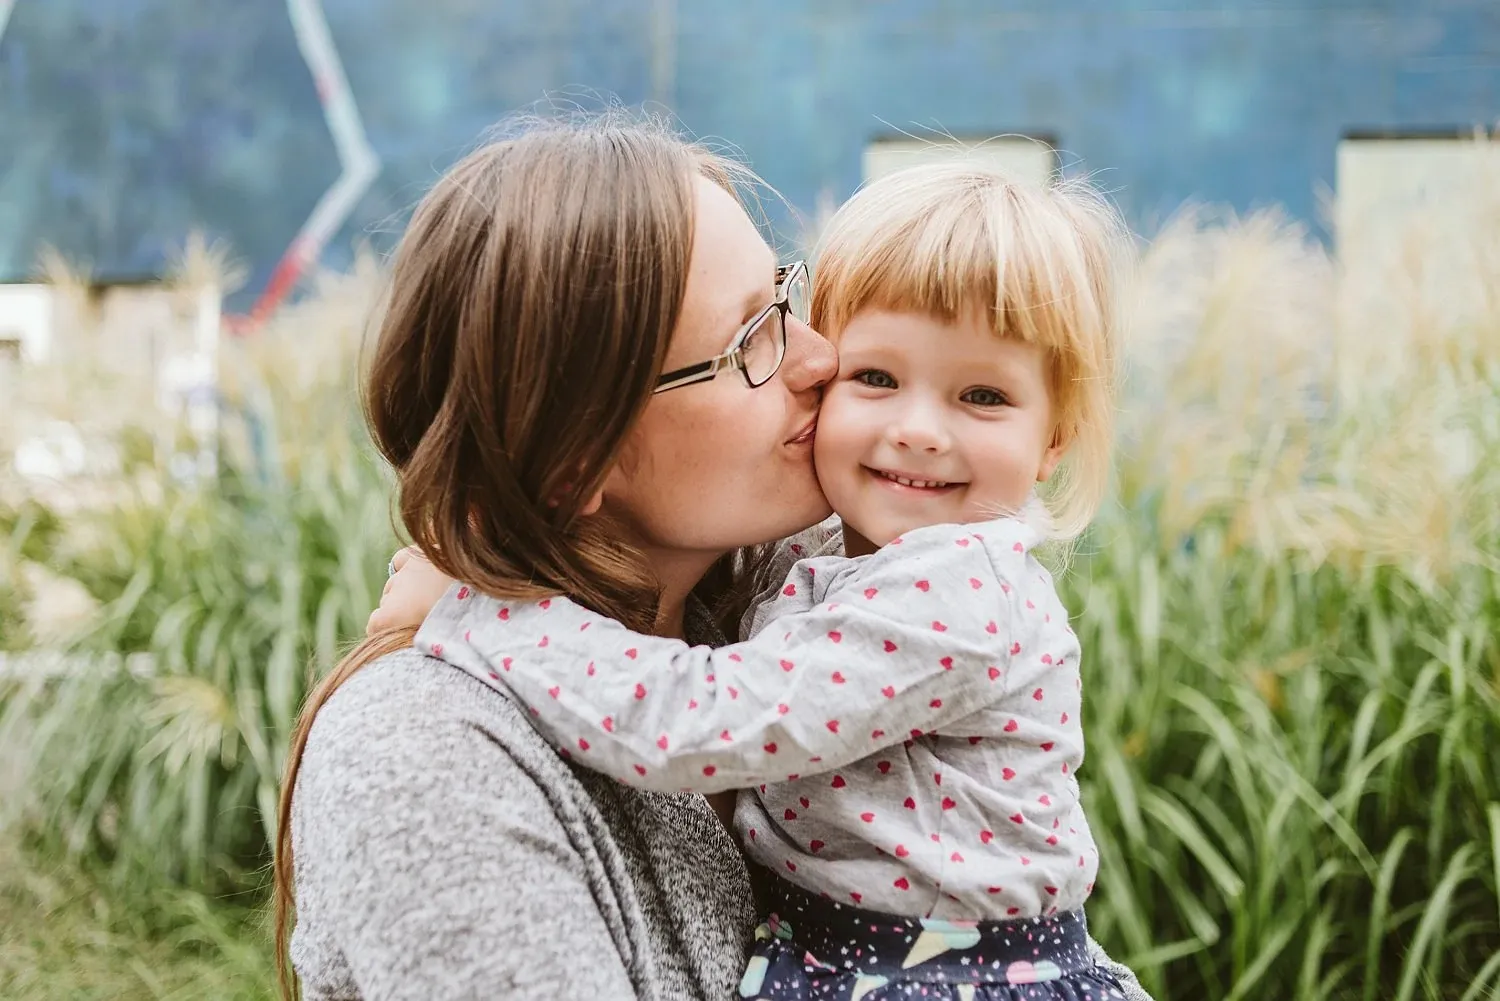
column 983, row 396
column 875, row 379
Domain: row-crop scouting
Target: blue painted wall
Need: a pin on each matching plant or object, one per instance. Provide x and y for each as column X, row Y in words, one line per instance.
column 124, row 123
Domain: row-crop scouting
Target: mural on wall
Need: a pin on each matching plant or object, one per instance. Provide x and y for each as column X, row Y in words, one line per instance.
column 294, row 128
column 129, row 146
column 357, row 161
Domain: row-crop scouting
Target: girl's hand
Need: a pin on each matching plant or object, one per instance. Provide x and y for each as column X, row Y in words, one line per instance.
column 409, row 594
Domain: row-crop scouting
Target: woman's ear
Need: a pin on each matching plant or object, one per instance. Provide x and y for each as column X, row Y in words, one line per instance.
column 590, row 506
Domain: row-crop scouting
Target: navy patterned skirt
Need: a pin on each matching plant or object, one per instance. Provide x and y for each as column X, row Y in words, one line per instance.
column 814, row 948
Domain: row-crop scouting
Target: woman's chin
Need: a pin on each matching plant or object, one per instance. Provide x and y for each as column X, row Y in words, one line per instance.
column 813, row 511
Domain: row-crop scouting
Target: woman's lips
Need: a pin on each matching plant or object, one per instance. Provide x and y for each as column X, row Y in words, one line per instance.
column 806, row 435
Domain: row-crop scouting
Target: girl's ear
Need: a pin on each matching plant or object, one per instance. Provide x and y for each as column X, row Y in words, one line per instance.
column 1062, row 437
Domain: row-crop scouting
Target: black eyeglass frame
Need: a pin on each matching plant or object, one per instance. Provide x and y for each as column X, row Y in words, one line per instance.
column 734, row 356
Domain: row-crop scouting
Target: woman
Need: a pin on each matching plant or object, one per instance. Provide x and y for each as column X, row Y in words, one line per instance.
column 440, row 848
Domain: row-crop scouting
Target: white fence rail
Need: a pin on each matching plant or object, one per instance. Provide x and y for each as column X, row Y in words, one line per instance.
column 56, row 664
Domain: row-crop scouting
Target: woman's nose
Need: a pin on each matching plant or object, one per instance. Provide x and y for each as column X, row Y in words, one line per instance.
column 810, row 360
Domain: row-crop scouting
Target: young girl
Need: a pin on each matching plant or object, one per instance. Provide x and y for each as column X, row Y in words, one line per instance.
column 904, row 718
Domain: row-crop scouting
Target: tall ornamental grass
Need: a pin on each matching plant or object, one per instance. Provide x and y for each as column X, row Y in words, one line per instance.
column 1289, row 615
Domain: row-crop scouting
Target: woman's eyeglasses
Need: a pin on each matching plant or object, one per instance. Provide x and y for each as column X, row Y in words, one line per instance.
column 759, row 346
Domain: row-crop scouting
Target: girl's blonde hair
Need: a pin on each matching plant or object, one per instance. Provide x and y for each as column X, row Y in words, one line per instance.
column 1043, row 262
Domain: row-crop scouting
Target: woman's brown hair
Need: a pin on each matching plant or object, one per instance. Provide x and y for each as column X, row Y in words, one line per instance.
column 533, row 297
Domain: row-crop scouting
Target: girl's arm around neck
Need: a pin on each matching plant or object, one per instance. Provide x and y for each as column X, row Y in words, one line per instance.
column 858, row 654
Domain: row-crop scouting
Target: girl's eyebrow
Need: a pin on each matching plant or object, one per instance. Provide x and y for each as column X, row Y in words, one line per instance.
column 878, row 351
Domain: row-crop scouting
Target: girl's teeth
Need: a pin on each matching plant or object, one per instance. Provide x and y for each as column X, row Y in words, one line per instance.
column 914, row 483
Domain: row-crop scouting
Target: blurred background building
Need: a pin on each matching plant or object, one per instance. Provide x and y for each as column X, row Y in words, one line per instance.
column 293, row 128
